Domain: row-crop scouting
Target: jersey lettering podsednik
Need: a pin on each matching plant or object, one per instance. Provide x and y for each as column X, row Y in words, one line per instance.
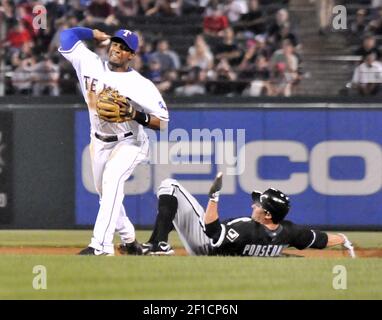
column 246, row 237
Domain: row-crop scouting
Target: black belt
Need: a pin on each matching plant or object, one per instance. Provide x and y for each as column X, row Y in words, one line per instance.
column 112, row 138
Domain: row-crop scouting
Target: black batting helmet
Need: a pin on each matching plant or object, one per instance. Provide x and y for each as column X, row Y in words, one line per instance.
column 273, row 201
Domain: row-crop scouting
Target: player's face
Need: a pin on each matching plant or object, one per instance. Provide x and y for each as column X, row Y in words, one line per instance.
column 120, row 55
column 258, row 213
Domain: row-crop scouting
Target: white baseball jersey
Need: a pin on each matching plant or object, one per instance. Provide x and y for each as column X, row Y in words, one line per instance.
column 114, row 162
column 94, row 74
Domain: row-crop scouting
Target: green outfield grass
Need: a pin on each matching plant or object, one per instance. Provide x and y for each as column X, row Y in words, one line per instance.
column 131, row 277
column 80, row 238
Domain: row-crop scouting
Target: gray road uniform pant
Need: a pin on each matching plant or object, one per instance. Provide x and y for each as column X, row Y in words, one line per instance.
column 189, row 219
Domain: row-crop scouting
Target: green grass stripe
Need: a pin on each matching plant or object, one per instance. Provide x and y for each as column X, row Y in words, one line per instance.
column 62, row 238
column 80, row 238
column 129, row 277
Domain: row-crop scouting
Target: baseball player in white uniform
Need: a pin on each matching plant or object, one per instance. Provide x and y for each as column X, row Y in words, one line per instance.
column 115, row 148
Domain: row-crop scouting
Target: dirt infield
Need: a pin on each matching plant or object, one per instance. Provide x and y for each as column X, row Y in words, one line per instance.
column 360, row 253
column 310, row 253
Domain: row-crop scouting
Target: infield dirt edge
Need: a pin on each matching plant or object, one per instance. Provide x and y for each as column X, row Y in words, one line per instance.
column 309, row 253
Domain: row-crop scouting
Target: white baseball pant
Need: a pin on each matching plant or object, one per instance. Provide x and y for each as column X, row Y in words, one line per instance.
column 112, row 164
column 189, row 219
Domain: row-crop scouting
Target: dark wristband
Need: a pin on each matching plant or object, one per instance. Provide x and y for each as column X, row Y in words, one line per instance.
column 213, row 230
column 142, row 118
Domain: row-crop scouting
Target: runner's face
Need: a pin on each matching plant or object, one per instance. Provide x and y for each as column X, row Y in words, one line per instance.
column 258, row 213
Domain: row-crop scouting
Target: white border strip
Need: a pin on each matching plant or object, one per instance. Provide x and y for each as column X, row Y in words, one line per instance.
column 70, row 50
column 221, row 238
column 318, row 105
column 245, row 219
column 279, row 105
column 314, row 239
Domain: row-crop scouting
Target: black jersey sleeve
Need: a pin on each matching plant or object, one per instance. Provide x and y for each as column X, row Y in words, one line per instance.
column 229, row 232
column 232, row 233
column 216, row 231
column 213, row 230
column 303, row 238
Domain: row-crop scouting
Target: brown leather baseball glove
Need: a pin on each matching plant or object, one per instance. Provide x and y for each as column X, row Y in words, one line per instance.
column 113, row 107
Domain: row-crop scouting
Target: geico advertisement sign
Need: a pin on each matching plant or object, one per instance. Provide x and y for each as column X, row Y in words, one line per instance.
column 241, row 169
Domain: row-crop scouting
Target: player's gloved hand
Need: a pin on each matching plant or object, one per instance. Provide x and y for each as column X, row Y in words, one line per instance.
column 348, row 245
column 113, row 107
column 214, row 192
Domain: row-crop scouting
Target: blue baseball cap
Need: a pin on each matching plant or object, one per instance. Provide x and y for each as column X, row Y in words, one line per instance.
column 128, row 37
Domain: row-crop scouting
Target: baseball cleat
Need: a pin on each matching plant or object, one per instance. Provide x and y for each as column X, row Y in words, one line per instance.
column 146, row 247
column 133, row 248
column 218, row 182
column 89, row 251
column 161, row 249
column 216, row 186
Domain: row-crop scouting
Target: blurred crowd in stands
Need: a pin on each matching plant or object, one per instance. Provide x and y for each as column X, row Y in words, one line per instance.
column 246, row 47
column 366, row 30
